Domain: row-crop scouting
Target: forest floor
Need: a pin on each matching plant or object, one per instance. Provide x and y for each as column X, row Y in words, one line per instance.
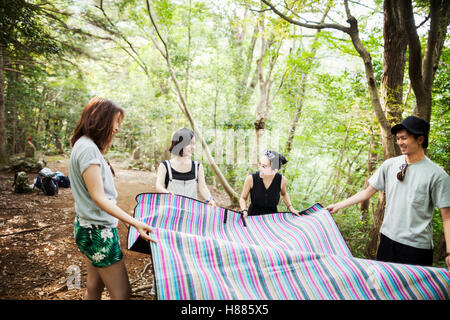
column 38, row 254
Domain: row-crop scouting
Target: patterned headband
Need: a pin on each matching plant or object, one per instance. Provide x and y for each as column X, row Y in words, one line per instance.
column 269, row 154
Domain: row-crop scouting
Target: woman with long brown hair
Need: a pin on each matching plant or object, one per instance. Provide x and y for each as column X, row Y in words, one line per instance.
column 93, row 189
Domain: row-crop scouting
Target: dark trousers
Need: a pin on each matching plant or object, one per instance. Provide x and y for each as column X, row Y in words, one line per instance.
column 392, row 251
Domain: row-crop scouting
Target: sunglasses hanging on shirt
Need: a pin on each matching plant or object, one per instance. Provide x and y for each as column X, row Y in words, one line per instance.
column 401, row 174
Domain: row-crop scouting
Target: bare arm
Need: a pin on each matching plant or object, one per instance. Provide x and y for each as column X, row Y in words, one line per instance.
column 248, row 183
column 160, row 179
column 202, row 187
column 356, row 198
column 93, row 179
column 445, row 213
column 286, row 198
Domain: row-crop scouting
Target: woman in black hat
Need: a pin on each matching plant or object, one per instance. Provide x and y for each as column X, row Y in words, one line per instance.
column 265, row 187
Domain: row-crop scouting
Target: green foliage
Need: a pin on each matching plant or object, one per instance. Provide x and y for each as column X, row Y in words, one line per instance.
column 354, row 230
column 165, row 10
column 21, row 29
column 39, row 94
column 439, row 147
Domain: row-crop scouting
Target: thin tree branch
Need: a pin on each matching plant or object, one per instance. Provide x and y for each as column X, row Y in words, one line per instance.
column 347, row 10
column 13, row 70
column 157, row 30
column 423, row 22
column 136, row 57
column 32, row 229
column 415, row 58
column 439, row 16
column 318, row 26
column 75, row 30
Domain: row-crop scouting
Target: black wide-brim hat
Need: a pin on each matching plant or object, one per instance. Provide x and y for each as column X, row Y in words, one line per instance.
column 414, row 125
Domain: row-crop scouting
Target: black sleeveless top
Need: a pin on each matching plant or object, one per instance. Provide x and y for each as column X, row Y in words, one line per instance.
column 264, row 200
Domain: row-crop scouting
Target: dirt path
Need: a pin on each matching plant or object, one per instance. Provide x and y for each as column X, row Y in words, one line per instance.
column 37, row 250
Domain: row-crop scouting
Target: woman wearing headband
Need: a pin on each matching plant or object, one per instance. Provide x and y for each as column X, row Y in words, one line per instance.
column 265, row 187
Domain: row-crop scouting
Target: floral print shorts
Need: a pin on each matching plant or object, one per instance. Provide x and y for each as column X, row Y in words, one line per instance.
column 99, row 244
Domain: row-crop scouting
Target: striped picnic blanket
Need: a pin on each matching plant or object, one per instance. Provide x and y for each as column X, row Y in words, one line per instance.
column 213, row 253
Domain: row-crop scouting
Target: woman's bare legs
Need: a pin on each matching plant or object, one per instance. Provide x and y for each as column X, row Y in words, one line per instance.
column 114, row 277
column 94, row 283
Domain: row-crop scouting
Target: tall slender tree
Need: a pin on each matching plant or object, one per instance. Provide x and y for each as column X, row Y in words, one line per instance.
column 400, row 32
column 265, row 80
column 164, row 50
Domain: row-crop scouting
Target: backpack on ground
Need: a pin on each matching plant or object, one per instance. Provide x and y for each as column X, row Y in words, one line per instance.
column 47, row 182
column 21, row 182
column 63, row 181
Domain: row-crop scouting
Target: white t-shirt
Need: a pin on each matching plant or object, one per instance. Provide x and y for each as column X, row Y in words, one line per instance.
column 85, row 153
column 410, row 203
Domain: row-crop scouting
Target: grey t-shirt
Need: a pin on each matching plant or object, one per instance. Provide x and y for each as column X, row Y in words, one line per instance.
column 84, row 154
column 410, row 203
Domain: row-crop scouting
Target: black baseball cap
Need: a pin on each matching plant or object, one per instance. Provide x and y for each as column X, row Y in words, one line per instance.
column 415, row 126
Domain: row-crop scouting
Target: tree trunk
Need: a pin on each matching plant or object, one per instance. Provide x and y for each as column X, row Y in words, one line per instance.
column 178, row 91
column 371, row 164
column 188, row 65
column 395, row 43
column 12, row 108
column 422, row 72
column 215, row 146
column 14, row 136
column 265, row 86
column 374, row 234
column 261, row 115
column 293, row 125
column 249, row 78
column 3, row 152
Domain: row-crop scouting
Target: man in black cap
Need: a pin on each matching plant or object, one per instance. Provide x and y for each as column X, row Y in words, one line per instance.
column 414, row 185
